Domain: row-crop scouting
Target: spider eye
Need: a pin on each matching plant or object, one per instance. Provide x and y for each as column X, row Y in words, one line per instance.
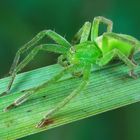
column 72, row 50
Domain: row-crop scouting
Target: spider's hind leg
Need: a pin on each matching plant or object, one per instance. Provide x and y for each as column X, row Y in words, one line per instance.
column 130, row 59
column 107, row 57
column 132, row 73
column 115, row 52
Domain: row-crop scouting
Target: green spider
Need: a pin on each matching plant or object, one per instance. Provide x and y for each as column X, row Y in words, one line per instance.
column 77, row 59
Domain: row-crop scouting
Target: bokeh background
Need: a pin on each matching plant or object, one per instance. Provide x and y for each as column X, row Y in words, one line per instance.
column 20, row 20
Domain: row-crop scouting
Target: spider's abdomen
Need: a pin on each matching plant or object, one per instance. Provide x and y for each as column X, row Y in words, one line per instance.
column 84, row 53
column 113, row 43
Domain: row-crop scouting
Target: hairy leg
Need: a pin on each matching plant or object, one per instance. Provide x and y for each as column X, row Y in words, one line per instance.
column 45, row 47
column 68, row 98
column 31, row 91
column 95, row 26
column 49, row 33
column 83, row 34
column 62, row 60
column 115, row 52
column 124, row 39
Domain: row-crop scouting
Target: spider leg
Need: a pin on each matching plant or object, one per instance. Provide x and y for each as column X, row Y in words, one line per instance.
column 75, row 92
column 130, row 58
column 45, row 47
column 62, row 60
column 116, row 52
column 31, row 91
column 95, row 26
column 83, row 34
column 49, row 33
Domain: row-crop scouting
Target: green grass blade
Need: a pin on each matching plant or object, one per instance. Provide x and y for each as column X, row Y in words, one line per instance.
column 109, row 88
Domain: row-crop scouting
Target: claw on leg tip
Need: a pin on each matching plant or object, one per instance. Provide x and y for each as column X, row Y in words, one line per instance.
column 44, row 122
column 3, row 94
column 9, row 107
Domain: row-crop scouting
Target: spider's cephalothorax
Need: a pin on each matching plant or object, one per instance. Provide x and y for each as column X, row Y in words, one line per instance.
column 83, row 53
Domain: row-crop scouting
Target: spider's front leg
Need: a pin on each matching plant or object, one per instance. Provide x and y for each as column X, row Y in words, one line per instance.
column 83, row 34
column 95, row 26
column 31, row 91
column 60, row 105
column 51, row 34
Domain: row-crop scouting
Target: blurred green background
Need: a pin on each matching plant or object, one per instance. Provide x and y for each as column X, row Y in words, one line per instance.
column 21, row 20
